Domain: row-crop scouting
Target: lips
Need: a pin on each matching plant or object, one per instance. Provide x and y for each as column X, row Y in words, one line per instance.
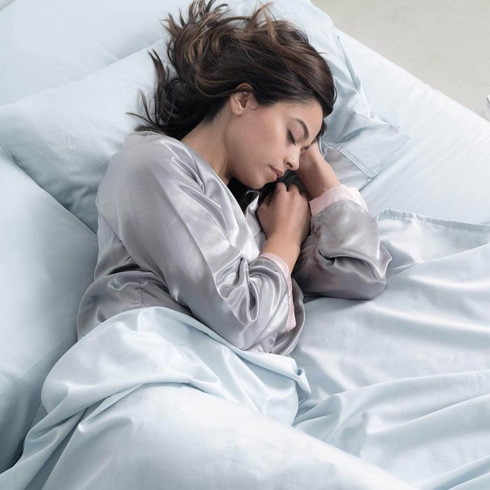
column 277, row 172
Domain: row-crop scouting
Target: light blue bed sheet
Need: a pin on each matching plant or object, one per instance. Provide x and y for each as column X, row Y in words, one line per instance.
column 154, row 399
column 388, row 393
column 403, row 380
column 443, row 171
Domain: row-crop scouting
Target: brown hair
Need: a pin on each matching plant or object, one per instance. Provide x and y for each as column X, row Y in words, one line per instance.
column 212, row 56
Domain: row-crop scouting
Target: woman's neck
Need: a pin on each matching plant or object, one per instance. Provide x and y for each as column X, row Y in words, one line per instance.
column 207, row 140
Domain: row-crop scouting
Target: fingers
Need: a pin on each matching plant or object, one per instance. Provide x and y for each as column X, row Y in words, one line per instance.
column 294, row 188
column 280, row 186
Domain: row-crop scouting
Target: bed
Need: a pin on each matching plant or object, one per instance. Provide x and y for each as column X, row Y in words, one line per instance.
column 387, row 393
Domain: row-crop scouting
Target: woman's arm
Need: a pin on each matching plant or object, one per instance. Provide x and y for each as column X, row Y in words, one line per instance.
column 343, row 256
column 170, row 227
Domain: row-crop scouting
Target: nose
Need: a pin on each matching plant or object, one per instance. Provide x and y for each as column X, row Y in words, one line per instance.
column 292, row 162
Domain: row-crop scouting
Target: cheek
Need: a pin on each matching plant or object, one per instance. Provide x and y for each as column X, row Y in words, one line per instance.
column 259, row 144
column 269, row 143
column 265, row 128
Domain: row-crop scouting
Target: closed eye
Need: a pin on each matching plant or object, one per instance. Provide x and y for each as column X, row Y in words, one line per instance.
column 305, row 148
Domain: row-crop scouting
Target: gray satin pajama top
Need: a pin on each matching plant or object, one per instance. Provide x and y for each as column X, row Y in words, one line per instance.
column 171, row 233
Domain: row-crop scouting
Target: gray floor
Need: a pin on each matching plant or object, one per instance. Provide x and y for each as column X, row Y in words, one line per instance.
column 445, row 43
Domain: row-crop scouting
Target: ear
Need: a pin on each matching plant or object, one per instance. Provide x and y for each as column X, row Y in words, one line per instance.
column 241, row 100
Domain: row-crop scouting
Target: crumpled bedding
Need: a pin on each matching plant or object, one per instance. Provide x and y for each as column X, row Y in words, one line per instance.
column 153, row 398
column 403, row 381
column 387, row 393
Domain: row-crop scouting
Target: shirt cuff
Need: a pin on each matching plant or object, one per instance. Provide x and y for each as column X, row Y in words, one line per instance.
column 291, row 322
column 333, row 194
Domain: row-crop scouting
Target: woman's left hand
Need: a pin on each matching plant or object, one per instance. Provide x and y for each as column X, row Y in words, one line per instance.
column 315, row 173
column 309, row 158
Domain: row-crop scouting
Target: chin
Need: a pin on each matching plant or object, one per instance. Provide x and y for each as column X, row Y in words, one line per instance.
column 256, row 185
column 259, row 182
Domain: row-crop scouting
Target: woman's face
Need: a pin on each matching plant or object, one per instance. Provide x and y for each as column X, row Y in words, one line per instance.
column 259, row 138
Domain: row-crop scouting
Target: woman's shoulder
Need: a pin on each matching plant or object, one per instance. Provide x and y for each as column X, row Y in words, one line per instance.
column 149, row 151
column 157, row 144
column 148, row 162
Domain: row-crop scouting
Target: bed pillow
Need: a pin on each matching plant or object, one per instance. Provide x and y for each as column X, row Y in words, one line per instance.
column 72, row 39
column 64, row 137
column 48, row 262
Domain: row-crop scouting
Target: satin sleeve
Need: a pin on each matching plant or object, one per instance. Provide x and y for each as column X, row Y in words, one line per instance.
column 291, row 323
column 343, row 256
column 169, row 226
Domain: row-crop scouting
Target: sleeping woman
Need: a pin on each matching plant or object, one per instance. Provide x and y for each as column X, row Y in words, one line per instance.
column 221, row 205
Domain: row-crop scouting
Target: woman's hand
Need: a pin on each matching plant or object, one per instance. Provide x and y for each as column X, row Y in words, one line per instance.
column 309, row 158
column 285, row 212
column 315, row 173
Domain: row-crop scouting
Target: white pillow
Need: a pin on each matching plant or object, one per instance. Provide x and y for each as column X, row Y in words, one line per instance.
column 48, row 263
column 64, row 137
